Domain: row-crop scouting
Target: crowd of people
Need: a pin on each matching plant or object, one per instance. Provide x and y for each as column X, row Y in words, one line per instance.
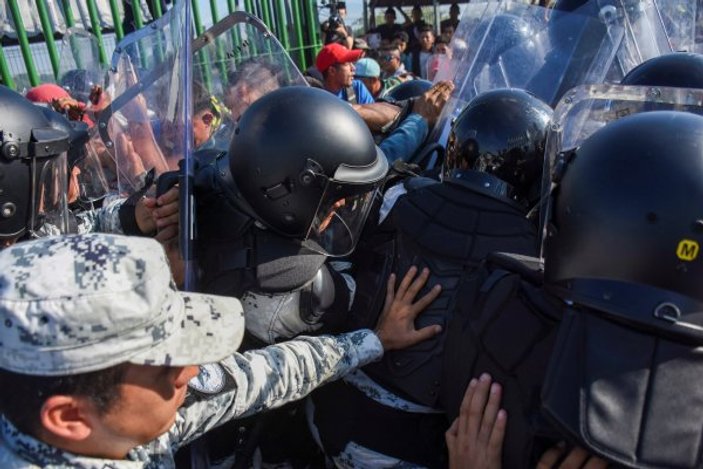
column 353, row 291
column 393, row 52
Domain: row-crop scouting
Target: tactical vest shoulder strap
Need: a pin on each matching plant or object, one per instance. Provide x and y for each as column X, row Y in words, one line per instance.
column 351, row 95
column 529, row 268
column 414, row 183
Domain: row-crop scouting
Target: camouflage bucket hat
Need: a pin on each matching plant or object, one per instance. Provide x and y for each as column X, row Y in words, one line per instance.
column 75, row 304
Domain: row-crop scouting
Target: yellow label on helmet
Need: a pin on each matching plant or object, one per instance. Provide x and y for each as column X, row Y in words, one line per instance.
column 687, row 250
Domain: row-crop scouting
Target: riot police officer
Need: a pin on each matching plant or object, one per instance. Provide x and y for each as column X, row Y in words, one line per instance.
column 298, row 183
column 392, row 410
column 623, row 254
column 293, row 191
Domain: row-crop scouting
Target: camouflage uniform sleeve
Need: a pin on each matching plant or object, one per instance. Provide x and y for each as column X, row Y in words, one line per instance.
column 275, row 375
column 103, row 220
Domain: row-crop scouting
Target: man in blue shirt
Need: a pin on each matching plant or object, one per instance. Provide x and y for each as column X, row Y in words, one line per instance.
column 336, row 63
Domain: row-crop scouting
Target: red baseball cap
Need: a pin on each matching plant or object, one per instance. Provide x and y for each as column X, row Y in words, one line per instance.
column 334, row 53
column 45, row 93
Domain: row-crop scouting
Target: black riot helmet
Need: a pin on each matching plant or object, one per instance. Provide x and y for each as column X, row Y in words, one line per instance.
column 79, row 83
column 678, row 70
column 623, row 251
column 503, row 133
column 76, row 130
column 32, row 168
column 623, row 210
column 569, row 5
column 306, row 166
column 408, row 89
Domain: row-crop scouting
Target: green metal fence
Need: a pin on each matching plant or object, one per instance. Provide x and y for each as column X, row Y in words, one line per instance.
column 25, row 62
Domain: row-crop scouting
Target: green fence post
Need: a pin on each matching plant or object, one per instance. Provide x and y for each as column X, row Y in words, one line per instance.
column 266, row 13
column 137, row 14
column 97, row 31
column 312, row 22
column 231, row 6
column 5, row 72
column 196, row 18
column 68, row 13
column 249, row 7
column 24, row 43
column 298, row 23
column 48, row 36
column 116, row 20
column 157, row 8
column 204, row 56
column 282, row 16
column 214, row 12
column 219, row 51
column 70, row 22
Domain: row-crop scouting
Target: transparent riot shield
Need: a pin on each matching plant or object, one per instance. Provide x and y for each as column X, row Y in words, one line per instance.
column 81, row 74
column 235, row 62
column 585, row 109
column 147, row 127
column 546, row 51
column 680, row 18
column 79, row 64
column 147, row 124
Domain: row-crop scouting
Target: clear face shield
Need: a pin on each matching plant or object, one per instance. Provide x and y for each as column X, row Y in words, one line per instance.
column 87, row 180
column 340, row 217
column 49, row 215
column 346, row 201
column 588, row 108
column 236, row 62
column 545, row 51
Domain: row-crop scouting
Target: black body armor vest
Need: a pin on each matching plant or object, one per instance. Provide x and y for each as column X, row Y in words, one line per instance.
column 505, row 325
column 449, row 227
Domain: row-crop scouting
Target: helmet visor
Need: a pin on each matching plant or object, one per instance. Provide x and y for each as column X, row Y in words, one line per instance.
column 87, row 179
column 50, row 213
column 340, row 217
